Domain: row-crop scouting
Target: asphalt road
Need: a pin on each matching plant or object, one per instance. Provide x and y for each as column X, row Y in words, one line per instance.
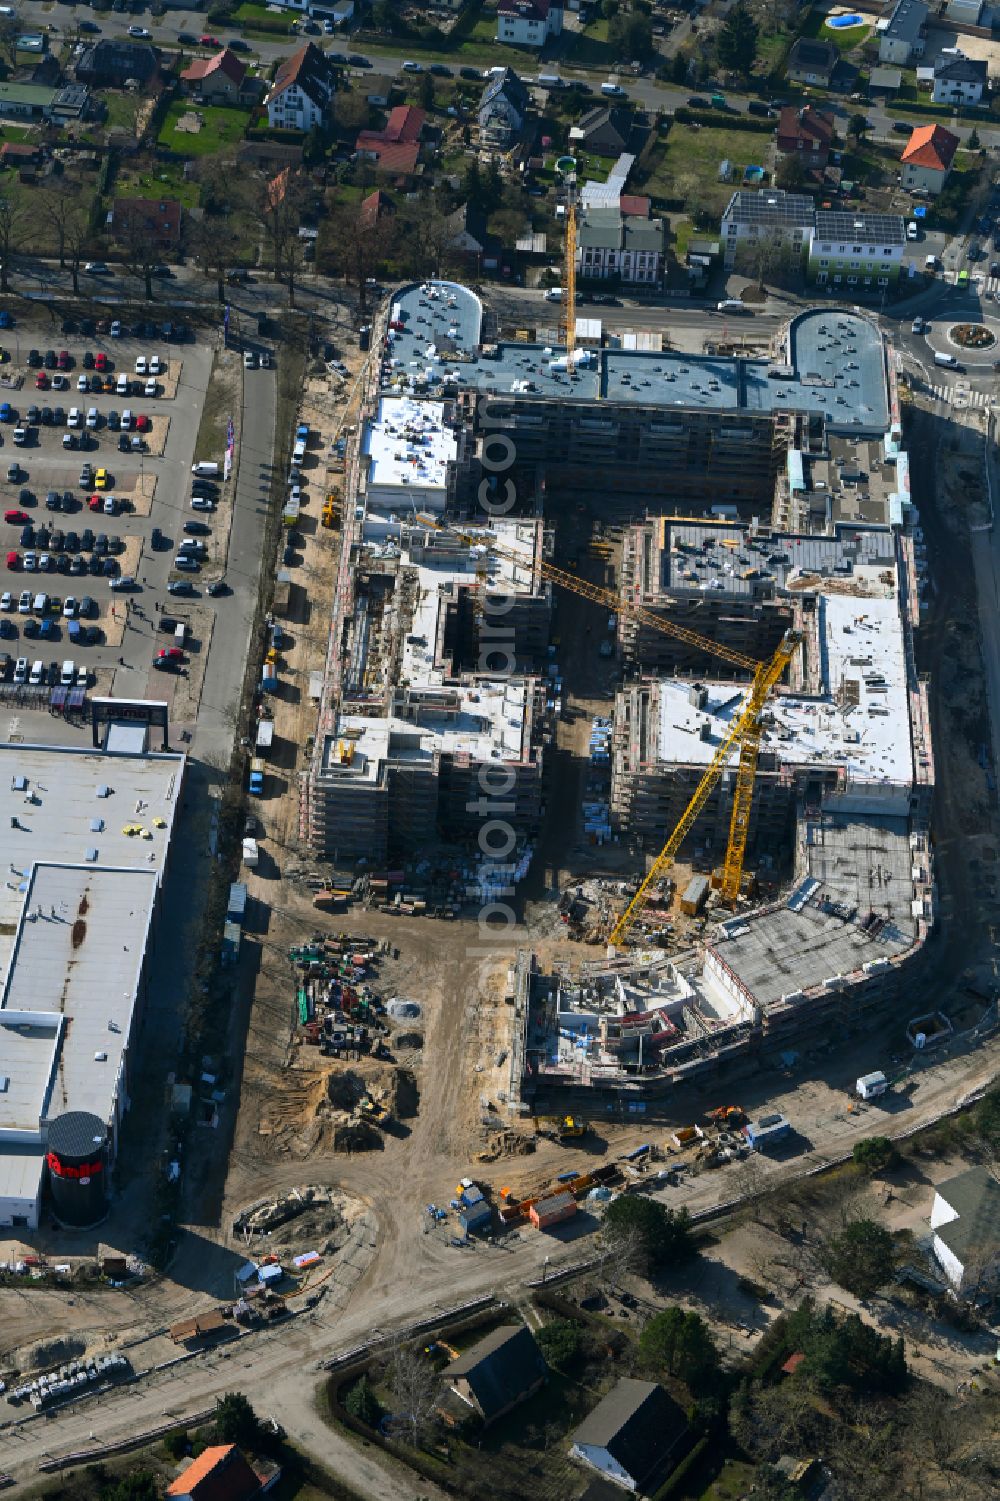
column 646, row 91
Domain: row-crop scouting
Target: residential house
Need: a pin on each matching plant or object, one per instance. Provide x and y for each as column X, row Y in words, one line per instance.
column 218, row 79
column 609, row 244
column 634, row 1436
column 606, row 130
column 856, row 250
column 396, row 148
column 965, row 1220
column 155, row 220
column 378, row 90
column 374, row 208
column 959, row 79
column 25, row 101
column 18, row 154
column 269, row 156
column 770, row 214
column 927, row 158
column 806, row 134
column 812, row 62
column 472, row 238
column 528, row 23
column 71, row 102
column 222, row 1473
column 497, row 1372
column 303, row 88
column 902, row 33
column 113, row 65
column 635, row 205
column 503, row 110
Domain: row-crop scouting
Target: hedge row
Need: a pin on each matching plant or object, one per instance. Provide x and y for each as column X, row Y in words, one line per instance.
column 672, row 1486
column 721, row 119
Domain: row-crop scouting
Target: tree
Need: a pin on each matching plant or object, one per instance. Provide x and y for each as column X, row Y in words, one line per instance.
column 355, row 246
column 680, row 1343
column 858, row 127
column 560, row 1342
column 362, row 1403
column 876, row 1153
column 351, row 111
column 141, row 1485
column 736, row 46
column 281, row 201
column 235, row 1421
column 665, row 1235
column 140, row 248
column 973, row 142
column 13, row 226
column 77, row 242
column 413, row 1385
column 679, row 68
column 425, row 91
column 609, row 9
column 11, row 27
column 313, row 147
column 630, row 36
column 770, row 1485
column 790, row 173
column 859, row 1257
column 62, row 209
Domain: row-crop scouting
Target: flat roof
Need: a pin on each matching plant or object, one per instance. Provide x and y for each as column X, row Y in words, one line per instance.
column 21, row 1166
column 836, row 362
column 29, row 1045
column 408, row 444
column 858, row 722
column 860, row 866
column 79, row 951
column 699, row 557
column 54, row 793
column 485, row 720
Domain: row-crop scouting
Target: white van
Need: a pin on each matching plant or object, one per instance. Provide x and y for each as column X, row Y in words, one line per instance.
column 947, row 360
column 37, row 673
column 41, row 604
column 554, row 294
column 68, row 674
column 613, row 91
column 930, row 262
column 204, row 468
column 121, row 386
column 731, row 305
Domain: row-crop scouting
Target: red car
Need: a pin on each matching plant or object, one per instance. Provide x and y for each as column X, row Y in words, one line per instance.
column 13, row 560
column 171, row 653
column 16, row 518
column 142, row 424
column 96, row 502
column 209, row 41
column 42, row 381
column 101, row 362
column 63, row 359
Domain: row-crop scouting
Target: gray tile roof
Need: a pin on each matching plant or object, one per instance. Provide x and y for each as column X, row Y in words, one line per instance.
column 906, row 21
column 975, row 1197
column 961, row 70
column 501, row 1368
column 637, row 1423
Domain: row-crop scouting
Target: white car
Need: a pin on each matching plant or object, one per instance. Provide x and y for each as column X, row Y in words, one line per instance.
column 24, row 602
column 73, row 417
column 21, row 670
column 83, row 383
column 202, row 503
column 156, row 365
column 6, row 600
column 70, row 607
column 151, row 388
column 140, row 364
column 30, row 563
column 411, row 67
column 249, row 362
column 116, row 330
column 265, row 361
column 97, row 268
column 92, row 417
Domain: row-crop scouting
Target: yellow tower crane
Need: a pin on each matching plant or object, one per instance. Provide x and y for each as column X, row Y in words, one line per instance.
column 745, row 729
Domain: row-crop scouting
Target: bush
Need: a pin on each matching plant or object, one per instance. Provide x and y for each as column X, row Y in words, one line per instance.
column 362, row 1403
column 560, row 1342
column 666, row 1235
column 719, row 119
column 876, row 1154
column 860, row 1257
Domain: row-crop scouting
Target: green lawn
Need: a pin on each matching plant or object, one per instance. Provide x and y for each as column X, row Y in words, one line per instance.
column 589, row 48
column 248, row 13
column 844, row 41
column 121, row 111
column 169, row 183
column 691, row 153
column 220, row 128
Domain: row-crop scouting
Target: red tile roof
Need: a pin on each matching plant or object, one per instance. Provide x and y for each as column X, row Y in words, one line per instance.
column 634, row 205
column 930, row 146
column 220, row 1473
column 405, row 123
column 160, row 218
column 814, row 127
column 392, row 156
column 223, row 62
column 376, row 206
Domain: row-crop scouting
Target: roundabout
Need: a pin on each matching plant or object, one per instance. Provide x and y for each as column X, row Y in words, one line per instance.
column 973, row 338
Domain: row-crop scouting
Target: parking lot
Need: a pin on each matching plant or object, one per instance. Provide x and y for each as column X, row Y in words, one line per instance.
column 98, row 510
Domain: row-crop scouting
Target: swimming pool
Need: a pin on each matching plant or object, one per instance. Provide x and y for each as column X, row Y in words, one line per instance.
column 841, row 23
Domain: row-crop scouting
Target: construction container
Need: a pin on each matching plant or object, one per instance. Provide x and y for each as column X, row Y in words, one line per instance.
column 695, row 896
column 251, row 854
column 265, row 735
column 476, row 1216
column 231, row 935
column 870, row 1086
column 236, row 910
column 768, row 1129
column 545, row 1213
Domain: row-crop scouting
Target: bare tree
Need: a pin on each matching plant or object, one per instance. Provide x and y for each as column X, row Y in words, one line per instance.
column 281, row 203
column 356, row 247
column 749, row 1183
column 61, row 209
column 138, row 241
column 13, row 231
column 414, row 1387
column 621, row 1252
column 11, row 28
column 77, row 243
